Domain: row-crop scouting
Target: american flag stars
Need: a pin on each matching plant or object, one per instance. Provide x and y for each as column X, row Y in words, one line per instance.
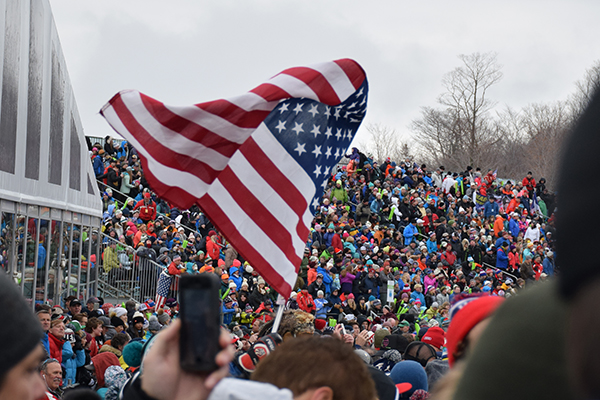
column 320, row 134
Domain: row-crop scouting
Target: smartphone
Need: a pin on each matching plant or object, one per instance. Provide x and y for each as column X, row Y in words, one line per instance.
column 200, row 322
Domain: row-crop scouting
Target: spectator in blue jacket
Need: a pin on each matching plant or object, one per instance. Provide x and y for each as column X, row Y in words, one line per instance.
column 327, row 279
column 228, row 310
column 376, row 204
column 98, row 164
column 513, row 224
column 502, row 256
column 417, row 294
column 491, row 208
column 432, row 246
column 549, row 263
column 409, row 233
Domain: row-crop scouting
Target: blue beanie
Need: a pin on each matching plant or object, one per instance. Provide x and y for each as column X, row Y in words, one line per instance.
column 412, row 372
column 132, row 353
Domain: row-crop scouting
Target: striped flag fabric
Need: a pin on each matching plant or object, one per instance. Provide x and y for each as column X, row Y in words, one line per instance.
column 256, row 164
column 162, row 289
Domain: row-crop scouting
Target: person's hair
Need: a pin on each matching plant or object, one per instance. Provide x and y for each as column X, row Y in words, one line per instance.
column 43, row 307
column 56, row 322
column 92, row 324
column 79, row 316
column 46, row 362
column 338, row 368
column 43, row 311
column 120, row 339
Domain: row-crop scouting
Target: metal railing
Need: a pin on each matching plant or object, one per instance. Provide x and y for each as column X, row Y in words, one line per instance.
column 128, row 274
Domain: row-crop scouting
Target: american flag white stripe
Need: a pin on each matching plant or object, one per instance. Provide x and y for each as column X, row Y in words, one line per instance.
column 195, row 186
column 284, row 162
column 294, row 86
column 256, row 237
column 214, row 123
column 258, row 198
column 267, row 195
column 177, row 142
column 251, row 101
column 337, row 79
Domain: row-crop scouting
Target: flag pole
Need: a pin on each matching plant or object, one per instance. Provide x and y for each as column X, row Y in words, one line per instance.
column 281, row 301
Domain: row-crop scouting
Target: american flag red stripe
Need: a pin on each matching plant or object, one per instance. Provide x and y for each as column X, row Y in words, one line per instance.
column 221, row 156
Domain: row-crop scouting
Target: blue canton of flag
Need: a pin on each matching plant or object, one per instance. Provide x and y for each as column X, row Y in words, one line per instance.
column 317, row 136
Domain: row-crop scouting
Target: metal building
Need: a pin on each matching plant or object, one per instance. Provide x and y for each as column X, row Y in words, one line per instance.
column 49, row 201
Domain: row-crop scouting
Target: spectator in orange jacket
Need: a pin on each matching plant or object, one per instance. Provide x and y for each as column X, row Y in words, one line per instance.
column 498, row 225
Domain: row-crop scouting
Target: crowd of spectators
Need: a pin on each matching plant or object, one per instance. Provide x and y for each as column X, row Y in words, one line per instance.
column 393, row 249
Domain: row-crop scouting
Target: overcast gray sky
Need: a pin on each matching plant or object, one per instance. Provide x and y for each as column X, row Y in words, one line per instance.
column 190, row 51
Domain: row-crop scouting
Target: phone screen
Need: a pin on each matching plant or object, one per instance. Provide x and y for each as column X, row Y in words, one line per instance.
column 200, row 318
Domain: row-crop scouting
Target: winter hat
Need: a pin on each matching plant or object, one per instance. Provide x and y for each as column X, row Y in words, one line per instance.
column 320, row 324
column 395, row 342
column 154, row 325
column 23, row 332
column 363, row 356
column 409, row 376
column 465, row 314
column 435, row 337
column 137, row 317
column 435, row 369
column 116, row 321
column 105, row 321
column 386, row 390
column 76, row 326
column 132, row 353
column 388, row 360
column 106, row 308
column 119, row 312
column 115, row 379
column 162, row 316
column 380, row 334
column 171, row 302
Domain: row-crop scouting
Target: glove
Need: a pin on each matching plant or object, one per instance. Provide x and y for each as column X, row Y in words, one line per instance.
column 262, row 348
column 77, row 346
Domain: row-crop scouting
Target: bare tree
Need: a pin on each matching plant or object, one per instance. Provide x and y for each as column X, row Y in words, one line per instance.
column 463, row 133
column 585, row 88
column 546, row 126
column 383, row 143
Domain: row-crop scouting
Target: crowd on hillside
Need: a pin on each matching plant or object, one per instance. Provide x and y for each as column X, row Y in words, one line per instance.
column 397, row 254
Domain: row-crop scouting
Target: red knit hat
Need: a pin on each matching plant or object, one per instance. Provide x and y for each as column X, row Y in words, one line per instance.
column 466, row 318
column 320, row 324
column 435, row 337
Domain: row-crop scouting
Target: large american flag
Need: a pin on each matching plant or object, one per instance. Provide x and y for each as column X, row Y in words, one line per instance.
column 257, row 164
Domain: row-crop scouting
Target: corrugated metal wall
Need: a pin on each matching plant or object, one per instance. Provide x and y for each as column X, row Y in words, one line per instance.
column 43, row 158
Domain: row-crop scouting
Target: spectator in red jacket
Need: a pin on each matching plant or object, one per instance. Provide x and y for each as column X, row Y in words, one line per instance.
column 529, row 184
column 147, row 208
column 212, row 248
column 305, row 301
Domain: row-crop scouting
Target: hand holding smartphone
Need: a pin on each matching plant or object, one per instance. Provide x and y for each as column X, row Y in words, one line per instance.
column 200, row 322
